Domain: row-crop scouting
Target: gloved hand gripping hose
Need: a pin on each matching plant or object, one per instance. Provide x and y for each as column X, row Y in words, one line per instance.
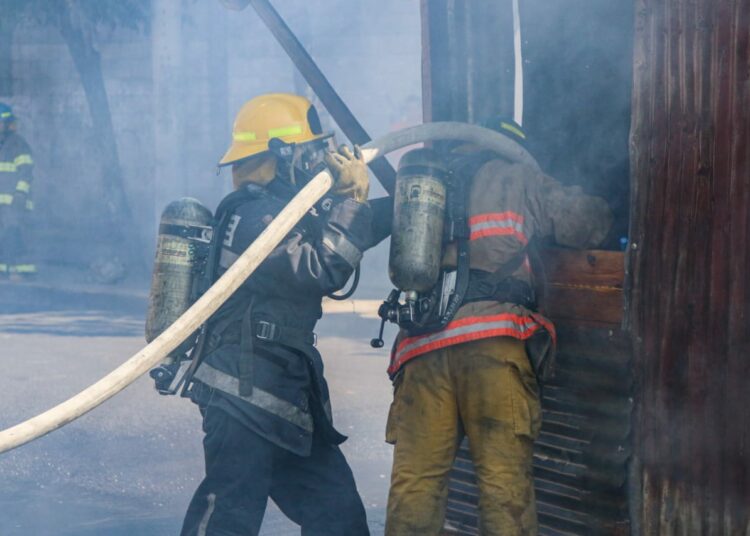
column 244, row 266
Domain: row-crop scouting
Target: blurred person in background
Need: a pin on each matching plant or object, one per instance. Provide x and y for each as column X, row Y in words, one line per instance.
column 16, row 204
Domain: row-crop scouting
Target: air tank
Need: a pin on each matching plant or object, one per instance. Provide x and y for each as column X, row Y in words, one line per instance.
column 184, row 234
column 418, row 218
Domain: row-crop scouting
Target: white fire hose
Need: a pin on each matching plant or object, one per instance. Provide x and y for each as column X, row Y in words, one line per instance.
column 155, row 352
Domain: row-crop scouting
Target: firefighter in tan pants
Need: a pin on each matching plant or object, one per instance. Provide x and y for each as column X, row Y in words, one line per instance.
column 475, row 377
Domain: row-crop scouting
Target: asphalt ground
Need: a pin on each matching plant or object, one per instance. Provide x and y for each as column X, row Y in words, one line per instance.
column 131, row 466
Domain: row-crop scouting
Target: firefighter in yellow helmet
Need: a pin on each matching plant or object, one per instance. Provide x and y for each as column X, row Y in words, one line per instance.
column 475, row 373
column 16, row 179
column 261, row 390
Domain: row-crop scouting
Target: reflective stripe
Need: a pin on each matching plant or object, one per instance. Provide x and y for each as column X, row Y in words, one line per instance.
column 203, row 527
column 285, row 131
column 244, row 136
column 3, row 268
column 23, row 269
column 227, row 258
column 23, row 186
column 465, row 330
column 497, row 224
column 29, row 205
column 342, row 247
column 272, row 133
column 23, row 159
column 261, row 399
column 6, row 199
column 514, row 129
column 5, row 115
column 9, row 167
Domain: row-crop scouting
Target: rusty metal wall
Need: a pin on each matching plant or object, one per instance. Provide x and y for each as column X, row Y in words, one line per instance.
column 689, row 264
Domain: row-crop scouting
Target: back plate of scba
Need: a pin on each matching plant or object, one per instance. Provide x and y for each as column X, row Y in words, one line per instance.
column 581, row 456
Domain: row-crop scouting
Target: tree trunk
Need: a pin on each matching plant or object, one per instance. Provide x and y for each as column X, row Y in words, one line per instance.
column 88, row 64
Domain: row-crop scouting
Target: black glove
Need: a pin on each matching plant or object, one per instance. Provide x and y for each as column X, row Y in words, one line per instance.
column 163, row 375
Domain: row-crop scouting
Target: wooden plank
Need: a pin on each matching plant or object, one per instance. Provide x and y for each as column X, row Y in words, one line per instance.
column 594, row 268
column 583, row 287
column 593, row 307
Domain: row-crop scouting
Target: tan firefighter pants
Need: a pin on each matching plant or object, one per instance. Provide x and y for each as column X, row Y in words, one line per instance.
column 487, row 390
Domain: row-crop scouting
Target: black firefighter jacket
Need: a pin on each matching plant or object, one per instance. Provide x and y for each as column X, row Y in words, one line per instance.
column 276, row 387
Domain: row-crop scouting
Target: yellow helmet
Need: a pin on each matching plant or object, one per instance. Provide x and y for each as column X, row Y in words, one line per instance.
column 288, row 117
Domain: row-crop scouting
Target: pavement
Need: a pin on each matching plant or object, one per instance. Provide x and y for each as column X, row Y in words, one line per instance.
column 130, row 466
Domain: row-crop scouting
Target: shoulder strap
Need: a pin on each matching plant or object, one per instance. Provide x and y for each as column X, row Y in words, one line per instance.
column 230, row 203
column 215, row 326
column 463, row 173
column 465, row 166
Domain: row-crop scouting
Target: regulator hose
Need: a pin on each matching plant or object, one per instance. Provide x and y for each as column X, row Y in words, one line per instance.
column 153, row 353
column 349, row 293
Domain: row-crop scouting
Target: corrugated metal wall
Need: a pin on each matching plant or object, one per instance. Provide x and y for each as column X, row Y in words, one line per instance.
column 690, row 264
column 581, row 456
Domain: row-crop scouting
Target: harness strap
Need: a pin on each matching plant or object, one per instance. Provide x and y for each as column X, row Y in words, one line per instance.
column 210, row 333
column 285, row 335
column 508, row 290
column 246, row 364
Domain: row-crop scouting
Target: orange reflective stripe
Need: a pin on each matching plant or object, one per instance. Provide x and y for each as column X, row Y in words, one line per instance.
column 497, row 216
column 468, row 329
column 497, row 224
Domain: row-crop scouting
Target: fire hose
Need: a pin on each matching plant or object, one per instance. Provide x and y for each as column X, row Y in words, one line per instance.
column 243, row 267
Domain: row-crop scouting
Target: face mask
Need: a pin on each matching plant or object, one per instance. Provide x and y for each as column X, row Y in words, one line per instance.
column 304, row 161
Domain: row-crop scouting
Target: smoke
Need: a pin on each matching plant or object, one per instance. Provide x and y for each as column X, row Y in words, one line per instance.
column 578, row 58
column 173, row 90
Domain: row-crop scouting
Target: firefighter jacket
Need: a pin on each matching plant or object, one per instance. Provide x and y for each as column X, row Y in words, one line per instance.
column 508, row 206
column 263, row 367
column 15, row 173
column 15, row 203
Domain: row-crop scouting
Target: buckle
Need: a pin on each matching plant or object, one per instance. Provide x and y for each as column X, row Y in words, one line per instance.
column 201, row 233
column 266, row 331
